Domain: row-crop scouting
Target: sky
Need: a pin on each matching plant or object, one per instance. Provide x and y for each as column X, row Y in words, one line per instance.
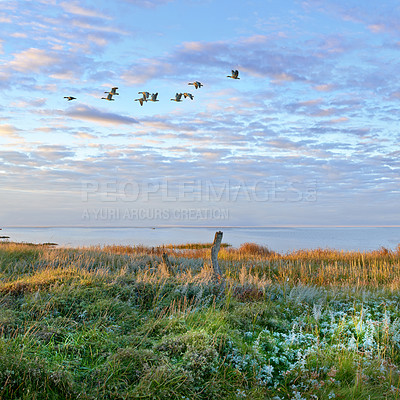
column 308, row 136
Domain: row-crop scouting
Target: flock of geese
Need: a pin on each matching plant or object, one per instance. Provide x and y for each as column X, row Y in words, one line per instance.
column 153, row 97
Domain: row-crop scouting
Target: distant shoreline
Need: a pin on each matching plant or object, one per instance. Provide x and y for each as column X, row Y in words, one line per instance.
column 277, row 238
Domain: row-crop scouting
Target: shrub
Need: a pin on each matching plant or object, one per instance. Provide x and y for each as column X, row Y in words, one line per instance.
column 254, row 249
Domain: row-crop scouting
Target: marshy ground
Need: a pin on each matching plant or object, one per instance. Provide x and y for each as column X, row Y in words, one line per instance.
column 116, row 323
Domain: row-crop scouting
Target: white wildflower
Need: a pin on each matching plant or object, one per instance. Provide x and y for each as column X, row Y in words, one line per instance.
column 298, row 396
column 317, row 311
column 240, row 394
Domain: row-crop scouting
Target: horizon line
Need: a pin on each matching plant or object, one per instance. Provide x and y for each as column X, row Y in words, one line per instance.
column 198, row 227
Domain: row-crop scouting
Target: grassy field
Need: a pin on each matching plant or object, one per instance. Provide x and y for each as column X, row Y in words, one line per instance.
column 116, row 323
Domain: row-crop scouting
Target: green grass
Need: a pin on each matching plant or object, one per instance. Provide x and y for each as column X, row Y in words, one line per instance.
column 113, row 323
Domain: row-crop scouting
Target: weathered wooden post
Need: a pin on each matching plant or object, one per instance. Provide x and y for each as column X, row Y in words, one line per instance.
column 167, row 263
column 214, row 255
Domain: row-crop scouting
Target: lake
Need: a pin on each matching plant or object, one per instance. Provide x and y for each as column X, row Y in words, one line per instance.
column 278, row 239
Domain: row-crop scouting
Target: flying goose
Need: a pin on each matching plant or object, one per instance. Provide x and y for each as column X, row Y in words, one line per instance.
column 109, row 97
column 188, row 95
column 235, row 74
column 154, row 97
column 140, row 100
column 196, row 84
column 146, row 95
column 69, row 98
column 177, row 97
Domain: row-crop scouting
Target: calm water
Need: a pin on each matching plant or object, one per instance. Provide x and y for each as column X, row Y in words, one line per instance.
column 278, row 239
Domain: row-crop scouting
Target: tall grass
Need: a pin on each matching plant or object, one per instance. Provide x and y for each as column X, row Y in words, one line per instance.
column 114, row 323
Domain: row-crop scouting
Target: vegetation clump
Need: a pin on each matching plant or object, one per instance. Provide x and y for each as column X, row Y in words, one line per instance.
column 113, row 323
